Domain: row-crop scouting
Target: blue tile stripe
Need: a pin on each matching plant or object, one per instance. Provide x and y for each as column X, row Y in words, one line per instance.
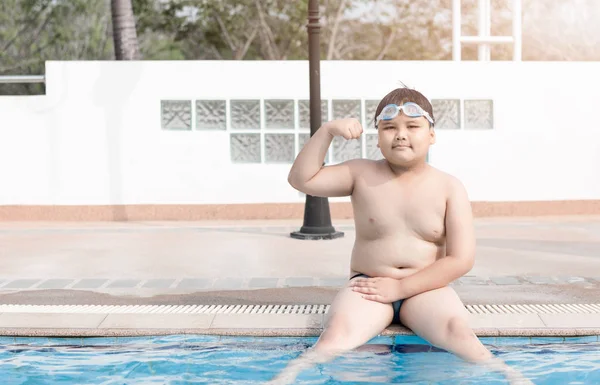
column 402, row 340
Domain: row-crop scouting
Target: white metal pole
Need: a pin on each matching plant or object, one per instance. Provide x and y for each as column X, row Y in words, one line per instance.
column 485, row 16
column 517, row 30
column 456, row 30
column 22, row 79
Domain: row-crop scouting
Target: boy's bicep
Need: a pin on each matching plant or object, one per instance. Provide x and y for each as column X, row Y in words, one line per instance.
column 460, row 233
column 332, row 181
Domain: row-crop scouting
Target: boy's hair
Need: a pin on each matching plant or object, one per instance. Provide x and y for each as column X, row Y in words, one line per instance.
column 400, row 96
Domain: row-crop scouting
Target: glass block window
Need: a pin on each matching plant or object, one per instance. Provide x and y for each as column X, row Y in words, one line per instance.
column 271, row 131
column 279, row 148
column 279, row 113
column 211, row 114
column 347, row 109
column 245, row 114
column 176, row 114
column 245, row 148
column 446, row 113
column 479, row 114
column 304, row 112
column 370, row 110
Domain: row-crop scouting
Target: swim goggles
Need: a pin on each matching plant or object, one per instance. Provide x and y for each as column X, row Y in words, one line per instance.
column 410, row 109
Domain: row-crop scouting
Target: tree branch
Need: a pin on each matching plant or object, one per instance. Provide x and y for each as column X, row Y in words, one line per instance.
column 291, row 41
column 241, row 53
column 336, row 25
column 272, row 49
column 225, row 32
column 105, row 37
column 26, row 26
column 216, row 52
column 20, row 64
column 387, row 44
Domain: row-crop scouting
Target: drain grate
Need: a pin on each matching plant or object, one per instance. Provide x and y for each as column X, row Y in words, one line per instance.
column 535, row 309
column 279, row 309
column 165, row 309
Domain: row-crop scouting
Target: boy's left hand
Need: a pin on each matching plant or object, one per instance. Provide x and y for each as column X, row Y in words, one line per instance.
column 379, row 289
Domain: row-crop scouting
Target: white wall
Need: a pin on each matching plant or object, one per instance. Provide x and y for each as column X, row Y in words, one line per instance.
column 96, row 137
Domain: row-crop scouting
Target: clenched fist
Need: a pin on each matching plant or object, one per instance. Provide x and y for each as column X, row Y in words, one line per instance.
column 349, row 128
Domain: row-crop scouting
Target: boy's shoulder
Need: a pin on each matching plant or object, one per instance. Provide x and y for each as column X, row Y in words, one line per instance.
column 443, row 175
column 450, row 184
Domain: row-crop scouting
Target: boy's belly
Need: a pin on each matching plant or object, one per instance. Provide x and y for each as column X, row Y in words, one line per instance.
column 394, row 257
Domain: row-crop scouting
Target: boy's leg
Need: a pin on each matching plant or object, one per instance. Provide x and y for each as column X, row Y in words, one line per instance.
column 351, row 322
column 439, row 317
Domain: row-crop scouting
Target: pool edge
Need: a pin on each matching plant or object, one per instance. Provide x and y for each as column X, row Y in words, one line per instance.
column 274, row 332
column 82, row 321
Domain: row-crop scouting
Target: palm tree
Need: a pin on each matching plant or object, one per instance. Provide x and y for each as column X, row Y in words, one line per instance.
column 124, row 34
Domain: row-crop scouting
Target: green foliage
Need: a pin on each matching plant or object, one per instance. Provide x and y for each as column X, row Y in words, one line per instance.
column 33, row 31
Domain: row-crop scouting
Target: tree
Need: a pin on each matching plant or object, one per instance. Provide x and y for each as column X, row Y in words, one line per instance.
column 124, row 33
column 227, row 29
column 33, row 31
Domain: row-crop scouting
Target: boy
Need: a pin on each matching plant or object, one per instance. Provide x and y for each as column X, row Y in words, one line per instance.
column 414, row 236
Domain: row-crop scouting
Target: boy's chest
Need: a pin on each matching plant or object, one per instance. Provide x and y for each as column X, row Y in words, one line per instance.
column 390, row 208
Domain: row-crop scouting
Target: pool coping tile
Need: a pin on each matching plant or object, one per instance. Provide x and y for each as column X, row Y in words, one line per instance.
column 50, row 320
column 506, row 320
column 493, row 327
column 157, row 321
column 571, row 320
column 272, row 321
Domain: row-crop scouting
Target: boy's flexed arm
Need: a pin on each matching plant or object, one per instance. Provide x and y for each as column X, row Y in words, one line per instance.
column 308, row 173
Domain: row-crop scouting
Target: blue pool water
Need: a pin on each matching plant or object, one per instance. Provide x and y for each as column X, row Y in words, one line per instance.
column 235, row 360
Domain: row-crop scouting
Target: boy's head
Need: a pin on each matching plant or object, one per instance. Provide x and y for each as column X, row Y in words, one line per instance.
column 399, row 96
column 405, row 127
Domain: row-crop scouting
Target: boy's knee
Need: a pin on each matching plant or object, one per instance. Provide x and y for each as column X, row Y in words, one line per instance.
column 330, row 341
column 458, row 329
column 460, row 333
column 333, row 341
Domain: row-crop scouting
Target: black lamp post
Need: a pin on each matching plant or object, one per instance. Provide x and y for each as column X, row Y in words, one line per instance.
column 317, row 218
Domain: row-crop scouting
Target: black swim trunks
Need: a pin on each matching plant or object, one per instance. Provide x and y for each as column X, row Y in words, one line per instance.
column 396, row 305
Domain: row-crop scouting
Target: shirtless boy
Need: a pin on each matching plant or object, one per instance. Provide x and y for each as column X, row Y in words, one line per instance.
column 414, row 236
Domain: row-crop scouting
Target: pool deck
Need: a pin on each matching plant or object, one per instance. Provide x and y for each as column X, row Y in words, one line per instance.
column 155, row 278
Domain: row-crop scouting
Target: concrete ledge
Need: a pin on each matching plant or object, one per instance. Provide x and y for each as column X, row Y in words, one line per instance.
column 42, row 320
column 571, row 320
column 157, row 321
column 507, row 321
column 267, row 321
column 264, row 211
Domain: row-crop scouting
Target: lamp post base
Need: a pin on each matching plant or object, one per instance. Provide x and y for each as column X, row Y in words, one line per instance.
column 317, row 221
column 317, row 235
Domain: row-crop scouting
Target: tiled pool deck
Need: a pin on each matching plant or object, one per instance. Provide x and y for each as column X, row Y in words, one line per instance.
column 520, row 261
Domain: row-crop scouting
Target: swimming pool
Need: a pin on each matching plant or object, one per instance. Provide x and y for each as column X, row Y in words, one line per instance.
column 187, row 359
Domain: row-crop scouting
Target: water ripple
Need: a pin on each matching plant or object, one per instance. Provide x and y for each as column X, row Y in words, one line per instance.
column 178, row 361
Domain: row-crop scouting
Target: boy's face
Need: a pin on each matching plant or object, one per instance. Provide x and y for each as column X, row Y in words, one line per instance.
column 403, row 139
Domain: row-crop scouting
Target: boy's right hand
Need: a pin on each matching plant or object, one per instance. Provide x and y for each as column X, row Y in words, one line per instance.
column 349, row 128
